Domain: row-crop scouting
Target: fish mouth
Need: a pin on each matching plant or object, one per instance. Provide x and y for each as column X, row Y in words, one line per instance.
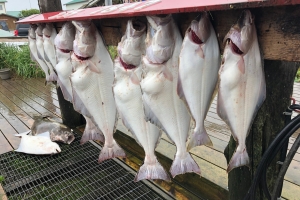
column 234, row 47
column 126, row 66
column 81, row 57
column 48, row 36
column 137, row 28
column 194, row 37
column 71, row 138
column 64, row 50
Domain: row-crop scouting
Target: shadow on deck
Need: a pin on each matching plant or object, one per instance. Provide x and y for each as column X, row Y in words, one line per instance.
column 20, row 100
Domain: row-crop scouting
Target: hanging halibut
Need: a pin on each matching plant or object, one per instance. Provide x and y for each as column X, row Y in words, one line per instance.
column 159, row 85
column 242, row 88
column 40, row 50
column 64, row 46
column 92, row 83
column 33, row 50
column 128, row 97
column 198, row 75
column 49, row 34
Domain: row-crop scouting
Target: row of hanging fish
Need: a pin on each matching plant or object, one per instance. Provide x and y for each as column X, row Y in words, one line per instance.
column 158, row 83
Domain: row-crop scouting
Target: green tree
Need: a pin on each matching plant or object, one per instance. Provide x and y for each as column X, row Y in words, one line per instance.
column 26, row 13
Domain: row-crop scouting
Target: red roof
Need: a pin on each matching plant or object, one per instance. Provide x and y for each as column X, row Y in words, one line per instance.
column 152, row 7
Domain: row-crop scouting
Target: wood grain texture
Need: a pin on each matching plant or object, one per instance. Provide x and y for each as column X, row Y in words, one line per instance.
column 277, row 27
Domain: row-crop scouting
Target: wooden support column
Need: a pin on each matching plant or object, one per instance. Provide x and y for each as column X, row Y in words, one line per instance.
column 269, row 121
column 69, row 116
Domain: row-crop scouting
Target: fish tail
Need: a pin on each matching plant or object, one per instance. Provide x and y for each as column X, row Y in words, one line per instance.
column 198, row 138
column 239, row 158
column 111, row 152
column 184, row 164
column 152, row 171
column 91, row 134
column 52, row 76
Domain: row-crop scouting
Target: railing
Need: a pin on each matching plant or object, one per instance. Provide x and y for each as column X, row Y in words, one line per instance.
column 280, row 143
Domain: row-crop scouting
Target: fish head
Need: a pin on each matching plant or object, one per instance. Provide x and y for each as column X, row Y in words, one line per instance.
column 241, row 35
column 84, row 45
column 48, row 30
column 135, row 28
column 160, row 38
column 62, row 134
column 199, row 31
column 39, row 30
column 65, row 37
column 31, row 31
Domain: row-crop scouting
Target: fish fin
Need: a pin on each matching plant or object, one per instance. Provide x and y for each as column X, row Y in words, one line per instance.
column 93, row 67
column 66, row 94
column 32, row 56
column 200, row 51
column 167, row 73
column 78, row 104
column 184, row 164
column 134, row 79
column 199, row 138
column 91, row 132
column 52, row 77
column 46, row 57
column 40, row 56
column 111, row 152
column 127, row 125
column 180, row 92
column 152, row 171
column 221, row 110
column 181, row 95
column 241, row 65
column 24, row 133
column 239, row 158
column 150, row 116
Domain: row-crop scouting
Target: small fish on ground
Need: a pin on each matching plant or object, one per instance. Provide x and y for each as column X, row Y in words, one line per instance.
column 37, row 145
column 58, row 131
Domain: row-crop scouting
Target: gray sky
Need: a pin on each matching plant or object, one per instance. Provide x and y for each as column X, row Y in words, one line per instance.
column 18, row 5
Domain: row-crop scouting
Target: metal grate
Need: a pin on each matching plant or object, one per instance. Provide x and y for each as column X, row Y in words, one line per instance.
column 72, row 174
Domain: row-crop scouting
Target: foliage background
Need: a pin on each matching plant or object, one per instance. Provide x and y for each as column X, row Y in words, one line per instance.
column 18, row 60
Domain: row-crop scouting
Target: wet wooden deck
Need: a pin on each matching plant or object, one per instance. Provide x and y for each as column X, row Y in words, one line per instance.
column 20, row 100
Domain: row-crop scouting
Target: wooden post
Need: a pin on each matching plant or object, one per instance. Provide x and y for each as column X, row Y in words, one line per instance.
column 69, row 116
column 269, row 121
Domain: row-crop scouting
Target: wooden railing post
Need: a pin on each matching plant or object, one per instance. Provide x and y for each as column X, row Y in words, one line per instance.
column 269, row 121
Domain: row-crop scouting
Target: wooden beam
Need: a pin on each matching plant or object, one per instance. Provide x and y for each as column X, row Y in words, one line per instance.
column 277, row 27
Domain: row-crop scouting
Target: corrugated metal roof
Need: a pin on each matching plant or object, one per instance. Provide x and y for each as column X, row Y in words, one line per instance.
column 9, row 15
column 14, row 13
column 75, row 1
column 152, row 7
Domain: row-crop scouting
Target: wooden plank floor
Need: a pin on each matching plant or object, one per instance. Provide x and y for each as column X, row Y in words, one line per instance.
column 20, row 100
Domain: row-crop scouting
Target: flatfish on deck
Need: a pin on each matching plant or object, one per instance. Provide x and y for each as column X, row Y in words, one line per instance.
column 37, row 145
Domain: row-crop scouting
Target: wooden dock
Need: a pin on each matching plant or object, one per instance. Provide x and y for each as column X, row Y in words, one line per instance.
column 20, row 100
